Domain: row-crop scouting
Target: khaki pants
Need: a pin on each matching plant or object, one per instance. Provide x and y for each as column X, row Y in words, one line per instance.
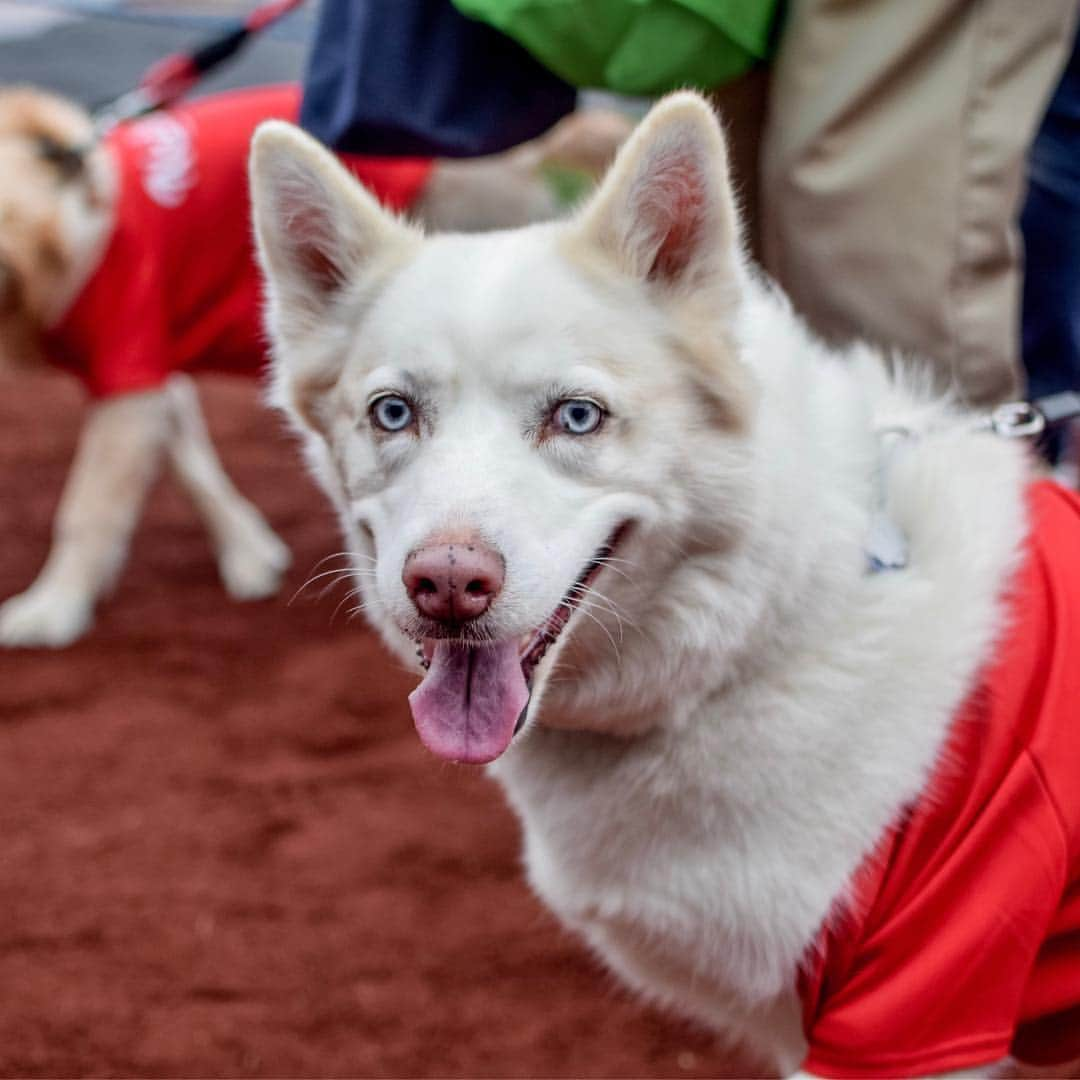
column 892, row 168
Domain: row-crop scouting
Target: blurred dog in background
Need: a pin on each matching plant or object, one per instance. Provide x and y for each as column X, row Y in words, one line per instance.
column 128, row 262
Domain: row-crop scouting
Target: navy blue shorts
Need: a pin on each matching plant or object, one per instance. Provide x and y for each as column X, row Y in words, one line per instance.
column 416, row 77
column 1050, row 223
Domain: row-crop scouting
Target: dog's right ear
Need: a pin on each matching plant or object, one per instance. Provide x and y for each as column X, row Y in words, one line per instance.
column 318, row 231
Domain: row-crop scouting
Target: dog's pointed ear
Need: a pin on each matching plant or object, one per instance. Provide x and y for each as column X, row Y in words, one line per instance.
column 665, row 212
column 318, row 231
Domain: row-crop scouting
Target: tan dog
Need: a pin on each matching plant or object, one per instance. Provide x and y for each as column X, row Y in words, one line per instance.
column 60, row 212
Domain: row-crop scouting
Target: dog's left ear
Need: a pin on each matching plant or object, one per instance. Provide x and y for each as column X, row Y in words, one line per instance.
column 665, row 212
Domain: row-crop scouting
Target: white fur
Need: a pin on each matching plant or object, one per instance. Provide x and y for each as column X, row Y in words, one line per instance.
column 710, row 755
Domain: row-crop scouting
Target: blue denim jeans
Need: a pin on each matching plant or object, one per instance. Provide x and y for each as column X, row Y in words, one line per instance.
column 1050, row 223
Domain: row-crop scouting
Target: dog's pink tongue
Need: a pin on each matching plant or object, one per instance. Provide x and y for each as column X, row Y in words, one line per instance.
column 470, row 700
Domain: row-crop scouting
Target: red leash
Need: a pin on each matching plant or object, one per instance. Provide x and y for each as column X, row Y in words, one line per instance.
column 174, row 75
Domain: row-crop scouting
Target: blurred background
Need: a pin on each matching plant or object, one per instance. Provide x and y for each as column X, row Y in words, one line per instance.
column 92, row 50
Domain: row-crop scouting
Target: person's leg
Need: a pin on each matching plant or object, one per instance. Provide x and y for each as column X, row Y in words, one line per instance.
column 892, row 167
column 1050, row 225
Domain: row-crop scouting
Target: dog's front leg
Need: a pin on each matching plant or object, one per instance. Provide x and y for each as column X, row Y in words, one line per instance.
column 250, row 556
column 117, row 459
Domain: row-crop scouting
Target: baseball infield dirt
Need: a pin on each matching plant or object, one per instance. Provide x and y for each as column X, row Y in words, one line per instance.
column 224, row 851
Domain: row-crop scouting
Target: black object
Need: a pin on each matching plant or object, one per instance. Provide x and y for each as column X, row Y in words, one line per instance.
column 416, row 77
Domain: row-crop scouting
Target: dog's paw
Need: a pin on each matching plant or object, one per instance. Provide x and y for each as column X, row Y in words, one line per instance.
column 252, row 569
column 48, row 617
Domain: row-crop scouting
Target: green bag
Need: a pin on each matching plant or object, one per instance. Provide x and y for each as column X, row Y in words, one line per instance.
column 636, row 46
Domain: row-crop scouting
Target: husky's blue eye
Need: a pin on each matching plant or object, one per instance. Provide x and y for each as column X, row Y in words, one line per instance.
column 578, row 416
column 391, row 413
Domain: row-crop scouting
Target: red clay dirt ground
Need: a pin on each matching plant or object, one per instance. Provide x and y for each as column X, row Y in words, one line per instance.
column 224, row 851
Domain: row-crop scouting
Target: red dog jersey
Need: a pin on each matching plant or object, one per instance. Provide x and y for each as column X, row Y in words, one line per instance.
column 962, row 943
column 177, row 288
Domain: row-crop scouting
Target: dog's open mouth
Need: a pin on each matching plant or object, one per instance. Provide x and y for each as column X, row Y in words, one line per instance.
column 474, row 698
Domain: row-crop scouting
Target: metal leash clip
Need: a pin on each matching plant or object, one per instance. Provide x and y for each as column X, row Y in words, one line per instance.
column 1022, row 419
column 1017, row 420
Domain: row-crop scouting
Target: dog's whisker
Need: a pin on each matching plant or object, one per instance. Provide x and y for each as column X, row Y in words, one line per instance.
column 341, row 570
column 328, row 588
column 343, row 555
column 325, row 591
column 593, row 591
column 607, row 633
column 609, row 561
column 589, row 605
column 327, row 558
column 617, row 559
column 337, row 575
column 615, row 570
column 341, row 603
column 599, row 602
column 340, row 575
column 591, row 596
column 361, row 555
column 353, row 612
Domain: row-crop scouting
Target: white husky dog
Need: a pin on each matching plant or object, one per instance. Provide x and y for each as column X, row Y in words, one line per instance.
column 603, row 487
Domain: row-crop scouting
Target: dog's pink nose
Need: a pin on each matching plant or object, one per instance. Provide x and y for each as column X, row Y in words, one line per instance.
column 452, row 583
